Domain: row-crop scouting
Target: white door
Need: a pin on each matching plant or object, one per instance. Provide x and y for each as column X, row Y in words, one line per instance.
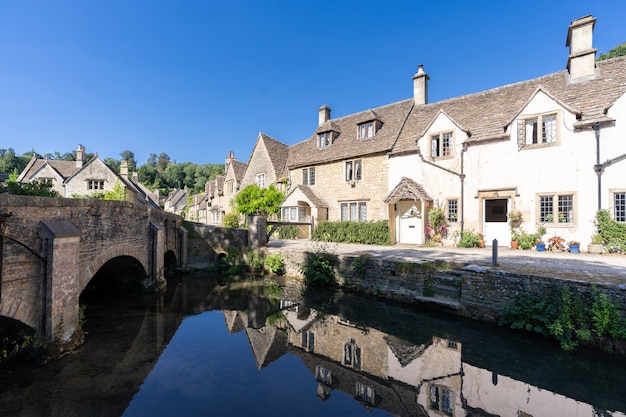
column 495, row 225
column 410, row 224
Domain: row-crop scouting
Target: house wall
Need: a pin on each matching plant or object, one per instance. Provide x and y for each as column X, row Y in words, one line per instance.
column 96, row 170
column 49, row 172
column 333, row 189
column 259, row 163
column 229, row 195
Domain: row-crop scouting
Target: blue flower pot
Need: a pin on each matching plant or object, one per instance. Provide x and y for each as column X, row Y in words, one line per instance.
column 541, row 247
column 574, row 248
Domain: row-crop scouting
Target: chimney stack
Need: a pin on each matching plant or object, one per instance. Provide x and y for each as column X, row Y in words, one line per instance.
column 230, row 158
column 80, row 156
column 420, row 86
column 324, row 114
column 124, row 169
column 581, row 61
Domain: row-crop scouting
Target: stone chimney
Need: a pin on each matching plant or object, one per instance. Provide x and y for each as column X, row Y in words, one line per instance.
column 581, row 61
column 420, row 86
column 230, row 158
column 124, row 169
column 80, row 156
column 324, row 114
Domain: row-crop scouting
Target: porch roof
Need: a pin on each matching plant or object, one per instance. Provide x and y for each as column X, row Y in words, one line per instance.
column 407, row 189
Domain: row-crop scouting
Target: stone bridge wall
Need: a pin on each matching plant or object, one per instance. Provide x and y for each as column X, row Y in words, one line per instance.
column 107, row 229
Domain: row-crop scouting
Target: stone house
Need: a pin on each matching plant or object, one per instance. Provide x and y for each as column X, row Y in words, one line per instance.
column 340, row 172
column 81, row 177
column 267, row 164
column 548, row 147
column 234, row 174
column 176, row 201
column 216, row 204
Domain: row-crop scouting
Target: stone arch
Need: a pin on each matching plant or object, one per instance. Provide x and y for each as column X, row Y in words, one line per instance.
column 20, row 311
column 110, row 253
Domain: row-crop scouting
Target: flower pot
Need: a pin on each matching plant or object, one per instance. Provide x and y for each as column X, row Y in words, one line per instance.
column 574, row 248
column 481, row 243
column 541, row 247
column 514, row 244
column 595, row 248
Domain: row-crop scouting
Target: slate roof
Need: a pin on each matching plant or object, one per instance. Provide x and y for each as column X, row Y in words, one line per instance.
column 486, row 115
column 308, row 193
column 239, row 169
column 407, row 189
column 65, row 168
column 278, row 153
column 346, row 145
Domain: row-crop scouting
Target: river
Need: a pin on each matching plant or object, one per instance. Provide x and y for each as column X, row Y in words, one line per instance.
column 244, row 347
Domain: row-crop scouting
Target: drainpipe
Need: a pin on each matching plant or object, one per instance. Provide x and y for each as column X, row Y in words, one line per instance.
column 460, row 175
column 598, row 167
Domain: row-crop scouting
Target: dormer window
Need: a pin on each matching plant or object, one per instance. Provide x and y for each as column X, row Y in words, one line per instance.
column 324, row 140
column 441, row 145
column 367, row 130
column 540, row 130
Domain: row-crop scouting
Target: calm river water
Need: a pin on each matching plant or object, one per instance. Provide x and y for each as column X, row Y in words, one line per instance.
column 240, row 347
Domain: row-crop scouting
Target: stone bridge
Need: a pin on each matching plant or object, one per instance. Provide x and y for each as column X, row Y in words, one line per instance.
column 51, row 248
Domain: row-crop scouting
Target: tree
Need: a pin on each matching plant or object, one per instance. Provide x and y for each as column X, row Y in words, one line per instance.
column 117, row 193
column 152, row 161
column 256, row 200
column 163, row 161
column 130, row 158
column 619, row 50
column 113, row 163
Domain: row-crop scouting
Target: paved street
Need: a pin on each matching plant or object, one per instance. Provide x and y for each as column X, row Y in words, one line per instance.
column 581, row 265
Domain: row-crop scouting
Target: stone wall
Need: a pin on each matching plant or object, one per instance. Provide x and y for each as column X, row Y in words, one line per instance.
column 474, row 291
column 207, row 242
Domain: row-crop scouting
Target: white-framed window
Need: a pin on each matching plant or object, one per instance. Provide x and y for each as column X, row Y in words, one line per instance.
column 354, row 211
column 556, row 209
column 367, row 130
column 324, row 139
column 354, row 170
column 453, row 210
column 260, row 180
column 538, row 130
column 293, row 214
column 619, row 206
column 95, row 184
column 441, row 145
column 230, row 187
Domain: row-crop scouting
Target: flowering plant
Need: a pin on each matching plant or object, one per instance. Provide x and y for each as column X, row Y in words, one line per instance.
column 436, row 224
column 573, row 243
column 515, row 215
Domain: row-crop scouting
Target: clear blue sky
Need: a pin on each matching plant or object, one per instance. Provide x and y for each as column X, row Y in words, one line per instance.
column 196, row 79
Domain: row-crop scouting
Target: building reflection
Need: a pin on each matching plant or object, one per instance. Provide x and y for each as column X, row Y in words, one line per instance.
column 380, row 370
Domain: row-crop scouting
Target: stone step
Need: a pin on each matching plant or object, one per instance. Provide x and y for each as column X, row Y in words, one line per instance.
column 440, row 301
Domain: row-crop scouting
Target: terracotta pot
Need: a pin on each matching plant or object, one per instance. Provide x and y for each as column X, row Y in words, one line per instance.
column 481, row 243
column 514, row 244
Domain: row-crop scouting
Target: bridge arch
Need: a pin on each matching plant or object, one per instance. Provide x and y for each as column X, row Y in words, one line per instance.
column 112, row 252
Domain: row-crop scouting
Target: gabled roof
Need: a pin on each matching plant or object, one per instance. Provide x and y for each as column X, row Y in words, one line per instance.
column 278, row 153
column 347, row 145
column 177, row 198
column 65, row 169
column 407, row 189
column 486, row 115
column 314, row 200
column 239, row 169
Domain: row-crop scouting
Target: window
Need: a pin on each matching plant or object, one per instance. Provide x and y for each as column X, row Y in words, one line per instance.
column 95, row 184
column 366, row 130
column 538, row 130
column 557, row 209
column 441, row 399
column 308, row 176
column 230, row 187
column 260, row 180
column 46, row 181
column 441, row 145
column 324, row 140
column 619, row 207
column 308, row 341
column 293, row 214
column 354, row 170
column 352, row 355
column 365, row 392
column 323, row 375
column 453, row 211
column 354, row 212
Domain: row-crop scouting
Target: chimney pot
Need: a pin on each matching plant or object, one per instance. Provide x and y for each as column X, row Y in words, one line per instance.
column 324, row 114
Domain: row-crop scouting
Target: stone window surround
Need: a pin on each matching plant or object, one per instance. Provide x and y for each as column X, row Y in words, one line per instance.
column 521, row 130
column 613, row 192
column 95, row 184
column 555, row 207
column 443, row 153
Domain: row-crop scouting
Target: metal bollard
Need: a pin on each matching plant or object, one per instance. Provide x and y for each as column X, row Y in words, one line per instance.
column 494, row 252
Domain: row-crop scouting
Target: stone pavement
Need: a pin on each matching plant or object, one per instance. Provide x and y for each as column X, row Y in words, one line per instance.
column 561, row 264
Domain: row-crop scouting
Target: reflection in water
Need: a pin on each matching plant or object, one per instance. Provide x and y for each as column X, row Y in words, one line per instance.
column 244, row 348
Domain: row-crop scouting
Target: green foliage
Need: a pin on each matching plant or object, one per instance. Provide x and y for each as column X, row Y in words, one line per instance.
column 470, row 239
column 359, row 265
column 528, row 240
column 118, row 193
column 619, row 50
column 231, row 220
column 288, row 232
column 256, row 262
column 565, row 317
column 36, row 187
column 613, row 233
column 370, row 233
column 437, row 222
column 275, row 263
column 256, row 200
column 28, row 345
column 234, row 260
column 317, row 268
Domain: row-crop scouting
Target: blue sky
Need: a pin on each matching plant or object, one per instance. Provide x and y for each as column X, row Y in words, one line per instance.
column 197, row 79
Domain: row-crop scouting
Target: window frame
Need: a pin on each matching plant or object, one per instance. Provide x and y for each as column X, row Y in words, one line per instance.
column 452, row 210
column 324, row 140
column 550, row 209
column 618, row 207
column 95, row 184
column 353, row 211
column 308, row 176
column 537, row 139
column 366, row 130
column 440, row 151
column 353, row 170
column 260, row 180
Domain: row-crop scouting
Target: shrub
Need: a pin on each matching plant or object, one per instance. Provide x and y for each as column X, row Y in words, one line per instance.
column 231, row 220
column 370, row 233
column 256, row 261
column 317, row 268
column 469, row 239
column 275, row 263
column 613, row 233
column 288, row 232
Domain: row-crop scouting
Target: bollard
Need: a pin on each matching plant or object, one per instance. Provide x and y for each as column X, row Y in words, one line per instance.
column 494, row 252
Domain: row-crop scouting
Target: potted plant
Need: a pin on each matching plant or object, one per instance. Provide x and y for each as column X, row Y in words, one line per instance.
column 540, row 245
column 481, row 240
column 515, row 217
column 574, row 246
column 596, row 245
column 515, row 238
column 556, row 243
column 436, row 227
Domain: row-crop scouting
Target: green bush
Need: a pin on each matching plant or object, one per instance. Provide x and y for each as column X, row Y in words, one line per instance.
column 256, row 261
column 275, row 263
column 613, row 233
column 370, row 233
column 317, row 269
column 469, row 239
column 288, row 232
column 231, row 220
